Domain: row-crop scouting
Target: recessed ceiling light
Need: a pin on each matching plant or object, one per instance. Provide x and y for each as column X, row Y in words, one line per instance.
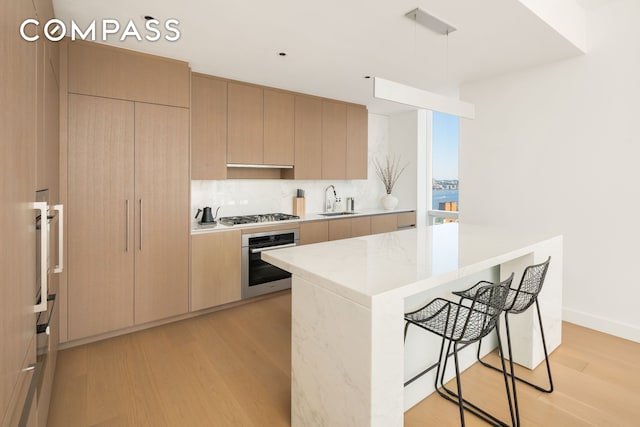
column 149, row 17
column 282, row 53
column 367, row 77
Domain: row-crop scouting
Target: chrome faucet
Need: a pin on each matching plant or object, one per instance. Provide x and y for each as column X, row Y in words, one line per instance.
column 328, row 206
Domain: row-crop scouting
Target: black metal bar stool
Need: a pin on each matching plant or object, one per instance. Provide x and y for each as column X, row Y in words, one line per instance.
column 459, row 325
column 518, row 301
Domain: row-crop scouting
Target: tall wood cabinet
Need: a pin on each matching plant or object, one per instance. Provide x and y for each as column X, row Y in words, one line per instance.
column 162, row 196
column 128, row 170
column 17, row 186
column 100, row 214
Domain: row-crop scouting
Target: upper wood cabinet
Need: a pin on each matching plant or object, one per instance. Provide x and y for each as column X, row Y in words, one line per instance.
column 308, row 138
column 334, row 140
column 357, row 142
column 215, row 268
column 208, row 128
column 245, row 121
column 278, row 128
column 100, row 70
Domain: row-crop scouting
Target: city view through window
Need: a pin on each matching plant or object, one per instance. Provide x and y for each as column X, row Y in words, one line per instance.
column 444, row 161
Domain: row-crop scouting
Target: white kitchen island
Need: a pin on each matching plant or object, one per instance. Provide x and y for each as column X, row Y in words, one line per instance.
column 348, row 300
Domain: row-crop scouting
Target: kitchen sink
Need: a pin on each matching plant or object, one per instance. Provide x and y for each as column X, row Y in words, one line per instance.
column 336, row 213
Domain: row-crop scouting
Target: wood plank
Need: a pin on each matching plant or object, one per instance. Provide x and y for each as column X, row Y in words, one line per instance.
column 245, row 121
column 162, row 212
column 208, row 128
column 279, row 124
column 334, row 140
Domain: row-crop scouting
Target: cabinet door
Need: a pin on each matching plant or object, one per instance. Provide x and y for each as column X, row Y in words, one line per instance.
column 245, row 109
column 314, row 232
column 406, row 220
column 340, row 229
column 308, row 138
column 100, row 215
column 278, row 127
column 334, row 140
column 17, row 187
column 360, row 226
column 208, row 128
column 384, row 223
column 357, row 142
column 162, row 212
column 215, row 268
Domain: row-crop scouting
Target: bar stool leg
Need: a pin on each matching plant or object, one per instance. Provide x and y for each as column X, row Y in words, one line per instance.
column 546, row 356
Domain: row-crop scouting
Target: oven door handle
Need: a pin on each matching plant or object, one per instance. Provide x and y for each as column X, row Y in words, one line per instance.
column 270, row 248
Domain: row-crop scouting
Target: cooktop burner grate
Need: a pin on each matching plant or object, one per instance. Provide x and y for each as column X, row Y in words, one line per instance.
column 251, row 219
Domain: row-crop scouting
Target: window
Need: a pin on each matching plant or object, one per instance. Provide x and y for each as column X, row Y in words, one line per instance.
column 444, row 166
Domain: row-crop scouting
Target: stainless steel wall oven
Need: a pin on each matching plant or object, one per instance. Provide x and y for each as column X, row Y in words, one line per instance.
column 260, row 277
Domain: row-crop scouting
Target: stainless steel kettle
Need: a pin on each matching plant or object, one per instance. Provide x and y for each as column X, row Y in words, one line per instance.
column 207, row 215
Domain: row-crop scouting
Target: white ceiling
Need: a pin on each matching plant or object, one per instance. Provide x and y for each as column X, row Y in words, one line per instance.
column 332, row 44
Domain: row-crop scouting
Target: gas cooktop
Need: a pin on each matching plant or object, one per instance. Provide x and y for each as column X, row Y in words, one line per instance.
column 250, row 219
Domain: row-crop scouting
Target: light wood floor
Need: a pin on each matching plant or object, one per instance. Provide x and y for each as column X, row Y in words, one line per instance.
column 232, row 368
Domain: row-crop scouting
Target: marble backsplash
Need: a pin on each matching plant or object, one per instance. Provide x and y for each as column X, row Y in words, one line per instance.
column 255, row 196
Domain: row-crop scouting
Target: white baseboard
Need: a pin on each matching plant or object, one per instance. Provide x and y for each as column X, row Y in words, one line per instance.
column 608, row 326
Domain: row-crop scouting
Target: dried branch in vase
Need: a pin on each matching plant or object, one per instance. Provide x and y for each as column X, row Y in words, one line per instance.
column 389, row 172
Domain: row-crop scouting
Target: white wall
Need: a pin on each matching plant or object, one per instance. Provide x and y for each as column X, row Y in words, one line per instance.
column 250, row 196
column 557, row 148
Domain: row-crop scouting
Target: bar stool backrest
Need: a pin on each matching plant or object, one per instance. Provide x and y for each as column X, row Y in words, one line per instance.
column 530, row 286
column 484, row 311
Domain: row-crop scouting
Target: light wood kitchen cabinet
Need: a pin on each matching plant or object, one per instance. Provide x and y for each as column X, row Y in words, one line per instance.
column 406, row 220
column 245, row 121
column 162, row 199
column 334, row 140
column 339, row 229
column 360, row 226
column 215, row 268
column 17, row 186
column 100, row 215
column 208, row 128
column 279, row 120
column 314, row 232
column 101, row 70
column 357, row 142
column 308, row 138
column 114, row 148
column 384, row 223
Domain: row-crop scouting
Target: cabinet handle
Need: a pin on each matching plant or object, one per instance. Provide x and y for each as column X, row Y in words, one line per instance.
column 60, row 265
column 44, row 255
column 126, row 244
column 140, row 224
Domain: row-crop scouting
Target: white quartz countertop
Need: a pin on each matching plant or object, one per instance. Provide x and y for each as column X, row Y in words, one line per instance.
column 309, row 217
column 367, row 268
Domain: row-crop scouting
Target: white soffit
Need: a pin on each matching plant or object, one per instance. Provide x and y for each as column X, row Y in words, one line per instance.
column 403, row 94
column 567, row 17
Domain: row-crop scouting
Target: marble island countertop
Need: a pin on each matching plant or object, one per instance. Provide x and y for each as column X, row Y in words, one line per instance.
column 197, row 229
column 406, row 261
